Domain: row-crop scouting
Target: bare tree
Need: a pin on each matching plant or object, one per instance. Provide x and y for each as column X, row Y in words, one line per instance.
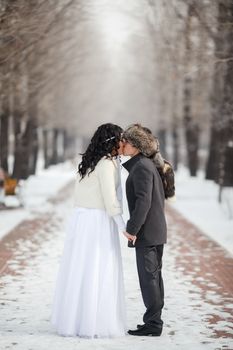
column 34, row 34
column 219, row 166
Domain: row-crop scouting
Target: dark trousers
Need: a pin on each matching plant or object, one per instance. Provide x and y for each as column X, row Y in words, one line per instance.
column 149, row 265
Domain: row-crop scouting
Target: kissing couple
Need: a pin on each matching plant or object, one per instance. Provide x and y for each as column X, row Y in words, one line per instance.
column 89, row 297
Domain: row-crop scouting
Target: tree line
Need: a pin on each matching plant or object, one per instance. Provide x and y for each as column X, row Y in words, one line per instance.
column 34, row 35
column 194, row 44
column 193, row 50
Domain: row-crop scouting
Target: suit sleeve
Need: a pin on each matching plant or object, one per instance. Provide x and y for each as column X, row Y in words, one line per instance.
column 106, row 174
column 143, row 186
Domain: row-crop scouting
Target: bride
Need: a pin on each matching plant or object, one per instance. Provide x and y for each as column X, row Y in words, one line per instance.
column 89, row 293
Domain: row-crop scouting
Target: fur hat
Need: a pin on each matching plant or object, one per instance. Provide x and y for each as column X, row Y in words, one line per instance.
column 142, row 138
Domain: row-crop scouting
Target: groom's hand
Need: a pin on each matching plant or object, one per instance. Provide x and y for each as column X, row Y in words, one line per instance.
column 130, row 237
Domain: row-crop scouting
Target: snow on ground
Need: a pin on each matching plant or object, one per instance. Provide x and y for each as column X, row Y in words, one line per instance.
column 197, row 200
column 26, row 297
column 35, row 192
column 26, row 294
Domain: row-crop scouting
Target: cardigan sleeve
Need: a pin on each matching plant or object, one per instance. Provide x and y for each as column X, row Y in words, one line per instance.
column 107, row 172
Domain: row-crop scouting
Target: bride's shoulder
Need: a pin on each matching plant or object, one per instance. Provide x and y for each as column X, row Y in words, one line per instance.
column 106, row 163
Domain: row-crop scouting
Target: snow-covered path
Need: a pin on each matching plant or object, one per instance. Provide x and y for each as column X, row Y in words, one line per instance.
column 35, row 192
column 197, row 200
column 28, row 281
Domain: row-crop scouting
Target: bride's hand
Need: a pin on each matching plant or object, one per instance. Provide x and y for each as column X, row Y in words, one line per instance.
column 130, row 237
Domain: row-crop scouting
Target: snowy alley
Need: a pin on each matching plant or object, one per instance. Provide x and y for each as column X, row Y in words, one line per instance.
column 197, row 275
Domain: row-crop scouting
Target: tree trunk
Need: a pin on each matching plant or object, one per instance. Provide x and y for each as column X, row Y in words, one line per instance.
column 192, row 140
column 213, row 161
column 45, row 148
column 33, row 141
column 190, row 126
column 34, row 150
column 175, row 144
column 175, row 124
column 222, row 99
column 54, row 158
column 26, row 150
column 4, row 131
column 18, row 146
column 191, row 132
column 18, row 113
column 4, row 120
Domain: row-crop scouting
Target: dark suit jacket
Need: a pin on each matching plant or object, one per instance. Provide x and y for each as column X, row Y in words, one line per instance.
column 145, row 196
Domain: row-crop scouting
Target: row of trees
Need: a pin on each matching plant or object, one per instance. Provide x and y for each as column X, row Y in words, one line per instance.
column 194, row 43
column 35, row 47
column 193, row 62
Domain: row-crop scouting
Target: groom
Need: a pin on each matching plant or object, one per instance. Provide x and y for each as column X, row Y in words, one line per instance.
column 146, row 227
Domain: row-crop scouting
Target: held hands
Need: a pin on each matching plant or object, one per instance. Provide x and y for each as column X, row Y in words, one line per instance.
column 130, row 237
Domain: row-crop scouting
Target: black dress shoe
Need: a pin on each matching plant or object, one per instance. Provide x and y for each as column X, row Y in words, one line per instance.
column 146, row 330
column 139, row 325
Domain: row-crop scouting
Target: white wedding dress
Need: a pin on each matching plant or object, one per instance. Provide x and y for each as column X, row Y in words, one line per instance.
column 89, row 298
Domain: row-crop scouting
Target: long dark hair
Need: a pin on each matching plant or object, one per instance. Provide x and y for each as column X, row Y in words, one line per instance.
column 105, row 142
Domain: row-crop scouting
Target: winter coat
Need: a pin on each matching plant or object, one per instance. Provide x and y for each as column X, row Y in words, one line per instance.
column 145, row 196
